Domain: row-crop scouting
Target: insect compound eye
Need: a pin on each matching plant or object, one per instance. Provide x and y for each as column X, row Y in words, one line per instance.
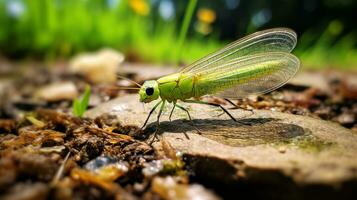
column 149, row 91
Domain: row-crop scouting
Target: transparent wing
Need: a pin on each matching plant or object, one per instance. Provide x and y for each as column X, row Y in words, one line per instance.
column 252, row 74
column 271, row 40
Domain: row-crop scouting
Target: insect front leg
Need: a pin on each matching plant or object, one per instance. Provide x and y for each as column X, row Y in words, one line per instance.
column 158, row 122
column 150, row 113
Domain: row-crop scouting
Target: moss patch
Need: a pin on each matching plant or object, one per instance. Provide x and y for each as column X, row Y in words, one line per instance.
column 307, row 142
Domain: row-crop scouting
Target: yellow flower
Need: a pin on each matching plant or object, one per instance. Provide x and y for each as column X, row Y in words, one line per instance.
column 206, row 15
column 141, row 7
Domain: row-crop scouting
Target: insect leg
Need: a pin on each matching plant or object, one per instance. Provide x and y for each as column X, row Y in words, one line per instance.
column 150, row 113
column 231, row 102
column 189, row 116
column 158, row 121
column 172, row 111
column 236, row 106
column 212, row 104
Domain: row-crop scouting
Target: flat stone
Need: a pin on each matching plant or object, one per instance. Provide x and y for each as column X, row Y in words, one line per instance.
column 274, row 148
column 98, row 67
column 57, row 91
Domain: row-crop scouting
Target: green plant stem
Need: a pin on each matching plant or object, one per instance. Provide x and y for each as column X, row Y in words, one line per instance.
column 184, row 28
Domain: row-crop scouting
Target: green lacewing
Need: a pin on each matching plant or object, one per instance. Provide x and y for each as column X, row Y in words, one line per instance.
column 255, row 64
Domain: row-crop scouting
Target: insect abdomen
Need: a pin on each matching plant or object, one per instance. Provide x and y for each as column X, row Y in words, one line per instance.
column 217, row 82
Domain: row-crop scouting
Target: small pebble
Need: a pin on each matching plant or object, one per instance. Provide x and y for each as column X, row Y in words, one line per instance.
column 152, row 168
column 282, row 149
column 99, row 162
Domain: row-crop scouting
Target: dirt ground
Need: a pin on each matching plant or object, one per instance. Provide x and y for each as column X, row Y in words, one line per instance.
column 47, row 153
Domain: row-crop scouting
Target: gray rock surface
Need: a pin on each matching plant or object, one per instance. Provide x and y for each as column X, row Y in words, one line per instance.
column 275, row 147
column 306, row 149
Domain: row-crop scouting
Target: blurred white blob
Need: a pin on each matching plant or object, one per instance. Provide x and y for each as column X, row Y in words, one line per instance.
column 166, row 9
column 261, row 17
column 113, row 3
column 98, row 67
column 15, row 8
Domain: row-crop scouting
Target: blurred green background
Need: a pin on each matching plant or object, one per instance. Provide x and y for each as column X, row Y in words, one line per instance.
column 149, row 30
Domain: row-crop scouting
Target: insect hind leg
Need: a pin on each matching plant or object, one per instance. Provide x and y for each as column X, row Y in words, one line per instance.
column 216, row 105
column 190, row 118
column 238, row 107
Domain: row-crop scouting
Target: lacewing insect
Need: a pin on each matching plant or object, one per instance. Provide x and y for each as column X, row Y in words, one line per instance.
column 256, row 64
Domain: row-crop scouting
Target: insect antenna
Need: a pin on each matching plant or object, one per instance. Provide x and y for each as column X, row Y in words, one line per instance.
column 126, row 88
column 116, row 87
column 128, row 79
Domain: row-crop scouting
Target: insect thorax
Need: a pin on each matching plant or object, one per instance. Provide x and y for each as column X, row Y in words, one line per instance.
column 176, row 87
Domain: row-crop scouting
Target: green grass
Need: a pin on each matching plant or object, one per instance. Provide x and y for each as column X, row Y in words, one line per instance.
column 318, row 51
column 52, row 29
column 185, row 25
column 80, row 105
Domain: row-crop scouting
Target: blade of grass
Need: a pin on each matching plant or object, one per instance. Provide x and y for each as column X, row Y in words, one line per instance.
column 184, row 28
column 76, row 108
column 80, row 106
column 85, row 99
